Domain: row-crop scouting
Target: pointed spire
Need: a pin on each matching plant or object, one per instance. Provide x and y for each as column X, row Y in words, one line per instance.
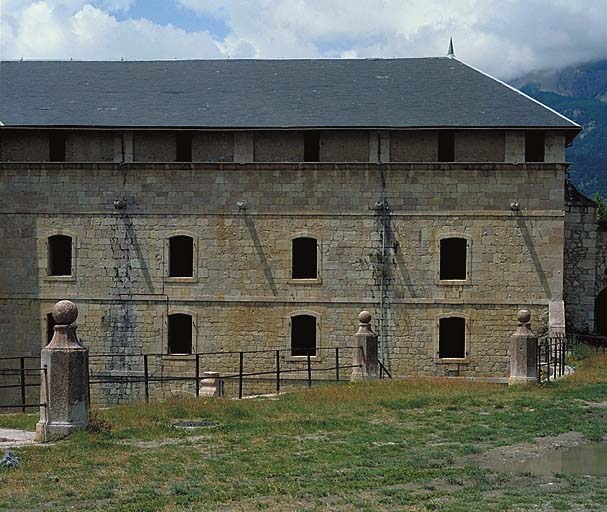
column 451, row 53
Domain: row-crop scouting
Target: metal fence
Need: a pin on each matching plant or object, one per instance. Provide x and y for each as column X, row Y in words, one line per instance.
column 555, row 353
column 119, row 378
column 246, row 373
column 20, row 379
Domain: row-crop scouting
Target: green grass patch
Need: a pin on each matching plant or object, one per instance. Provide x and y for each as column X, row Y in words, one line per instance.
column 390, row 445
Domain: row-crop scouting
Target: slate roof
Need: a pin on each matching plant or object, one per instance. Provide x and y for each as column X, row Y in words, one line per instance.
column 370, row 93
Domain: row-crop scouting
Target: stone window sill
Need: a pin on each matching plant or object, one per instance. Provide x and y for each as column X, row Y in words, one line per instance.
column 180, row 280
column 316, row 281
column 453, row 282
column 60, row 279
column 454, row 360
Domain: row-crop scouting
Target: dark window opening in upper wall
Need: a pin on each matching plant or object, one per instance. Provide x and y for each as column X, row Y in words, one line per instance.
column 180, row 334
column 452, row 338
column 303, row 335
column 50, row 327
column 181, row 256
column 311, row 146
column 59, row 255
column 304, row 258
column 453, row 258
column 446, row 146
column 56, row 146
column 183, row 147
column 535, row 146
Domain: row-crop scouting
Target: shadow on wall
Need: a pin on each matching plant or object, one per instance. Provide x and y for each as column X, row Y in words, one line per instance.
column 265, row 266
column 534, row 256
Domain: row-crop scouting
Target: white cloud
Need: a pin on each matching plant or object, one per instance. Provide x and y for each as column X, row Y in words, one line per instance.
column 64, row 29
column 502, row 37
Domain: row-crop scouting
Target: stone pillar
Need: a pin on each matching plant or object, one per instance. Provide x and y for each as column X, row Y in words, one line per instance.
column 64, row 388
column 366, row 355
column 523, row 352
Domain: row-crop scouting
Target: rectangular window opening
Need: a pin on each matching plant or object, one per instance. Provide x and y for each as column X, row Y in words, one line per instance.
column 304, row 258
column 535, row 145
column 311, row 146
column 303, row 335
column 181, row 256
column 183, row 147
column 56, row 146
column 446, row 146
column 59, row 255
column 180, row 334
column 453, row 258
column 452, row 338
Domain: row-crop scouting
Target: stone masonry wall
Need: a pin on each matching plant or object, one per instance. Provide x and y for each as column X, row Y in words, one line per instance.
column 579, row 280
column 274, row 146
column 242, row 295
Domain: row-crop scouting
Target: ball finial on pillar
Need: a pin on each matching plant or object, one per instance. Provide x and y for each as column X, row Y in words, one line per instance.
column 524, row 316
column 65, row 312
column 364, row 317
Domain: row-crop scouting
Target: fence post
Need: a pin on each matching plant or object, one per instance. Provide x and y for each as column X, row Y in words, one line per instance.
column 337, row 364
column 22, row 382
column 366, row 362
column 146, row 382
column 523, row 352
column 277, row 372
column 65, row 390
column 309, row 370
column 240, row 371
column 197, row 375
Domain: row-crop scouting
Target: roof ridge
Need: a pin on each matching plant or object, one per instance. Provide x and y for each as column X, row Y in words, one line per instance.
column 501, row 82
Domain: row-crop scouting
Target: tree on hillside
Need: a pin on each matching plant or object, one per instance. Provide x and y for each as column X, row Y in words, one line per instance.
column 601, row 207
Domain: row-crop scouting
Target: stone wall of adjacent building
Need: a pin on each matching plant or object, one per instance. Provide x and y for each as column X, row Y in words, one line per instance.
column 580, row 271
column 242, row 296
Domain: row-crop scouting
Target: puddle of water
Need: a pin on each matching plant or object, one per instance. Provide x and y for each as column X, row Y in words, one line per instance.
column 585, row 459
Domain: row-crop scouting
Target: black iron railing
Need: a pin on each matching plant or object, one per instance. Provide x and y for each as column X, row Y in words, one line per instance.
column 19, row 373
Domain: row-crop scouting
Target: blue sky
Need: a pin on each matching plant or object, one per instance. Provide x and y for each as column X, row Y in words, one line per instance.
column 165, row 12
column 503, row 37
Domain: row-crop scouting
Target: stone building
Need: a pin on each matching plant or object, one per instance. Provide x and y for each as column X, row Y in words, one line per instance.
column 223, row 205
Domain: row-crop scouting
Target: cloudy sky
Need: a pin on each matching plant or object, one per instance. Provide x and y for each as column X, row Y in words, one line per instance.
column 503, row 37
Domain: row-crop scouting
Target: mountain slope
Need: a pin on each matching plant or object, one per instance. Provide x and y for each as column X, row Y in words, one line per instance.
column 580, row 93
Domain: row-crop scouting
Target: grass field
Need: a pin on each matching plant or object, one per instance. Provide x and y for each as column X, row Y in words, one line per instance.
column 391, row 445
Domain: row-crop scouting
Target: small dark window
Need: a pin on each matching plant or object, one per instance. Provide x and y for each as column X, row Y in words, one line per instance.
column 305, row 258
column 453, row 258
column 446, row 146
column 180, row 334
column 50, row 327
column 59, row 255
column 311, row 146
column 303, row 335
column 184, row 147
column 452, row 338
column 56, row 146
column 535, row 143
column 181, row 256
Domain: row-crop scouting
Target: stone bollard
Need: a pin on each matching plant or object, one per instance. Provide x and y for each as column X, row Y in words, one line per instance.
column 64, row 387
column 365, row 358
column 523, row 352
column 211, row 385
